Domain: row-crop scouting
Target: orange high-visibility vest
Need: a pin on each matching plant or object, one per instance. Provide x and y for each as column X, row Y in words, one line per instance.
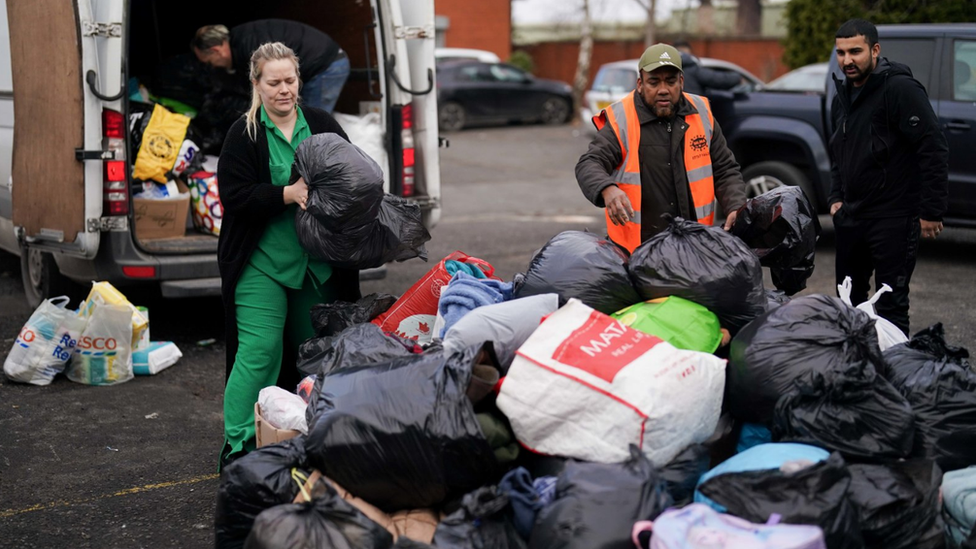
column 622, row 117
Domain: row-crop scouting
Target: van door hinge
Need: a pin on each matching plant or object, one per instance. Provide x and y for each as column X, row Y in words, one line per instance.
column 104, row 224
column 408, row 33
column 98, row 28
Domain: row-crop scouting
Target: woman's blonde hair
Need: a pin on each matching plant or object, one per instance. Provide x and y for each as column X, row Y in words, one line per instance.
column 272, row 51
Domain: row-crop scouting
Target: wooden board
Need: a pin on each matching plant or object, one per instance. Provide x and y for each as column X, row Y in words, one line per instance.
column 48, row 183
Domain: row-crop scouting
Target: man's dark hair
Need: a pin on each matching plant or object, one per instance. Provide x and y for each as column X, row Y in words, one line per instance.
column 681, row 44
column 859, row 27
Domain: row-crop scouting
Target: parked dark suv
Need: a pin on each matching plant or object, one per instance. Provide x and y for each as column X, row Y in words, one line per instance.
column 780, row 138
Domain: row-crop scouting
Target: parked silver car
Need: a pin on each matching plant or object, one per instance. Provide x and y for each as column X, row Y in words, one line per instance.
column 615, row 80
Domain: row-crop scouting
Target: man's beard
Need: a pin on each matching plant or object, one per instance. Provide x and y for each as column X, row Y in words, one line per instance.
column 861, row 74
column 663, row 112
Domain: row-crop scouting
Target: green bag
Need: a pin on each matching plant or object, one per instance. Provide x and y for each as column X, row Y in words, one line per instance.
column 682, row 323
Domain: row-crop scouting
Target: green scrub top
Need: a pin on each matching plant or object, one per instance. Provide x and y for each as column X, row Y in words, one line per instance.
column 279, row 255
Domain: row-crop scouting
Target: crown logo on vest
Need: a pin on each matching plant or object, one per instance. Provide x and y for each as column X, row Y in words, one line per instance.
column 698, row 143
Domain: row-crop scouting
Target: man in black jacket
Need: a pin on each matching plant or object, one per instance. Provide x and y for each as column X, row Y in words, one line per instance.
column 324, row 65
column 890, row 170
column 700, row 80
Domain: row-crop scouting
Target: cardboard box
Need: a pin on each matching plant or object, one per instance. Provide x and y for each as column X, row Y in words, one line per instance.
column 268, row 434
column 161, row 218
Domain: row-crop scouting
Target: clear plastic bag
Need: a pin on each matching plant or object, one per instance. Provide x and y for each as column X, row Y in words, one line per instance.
column 103, row 355
column 45, row 343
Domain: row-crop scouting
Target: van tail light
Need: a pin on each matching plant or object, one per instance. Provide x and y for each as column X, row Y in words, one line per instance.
column 115, row 181
column 406, row 138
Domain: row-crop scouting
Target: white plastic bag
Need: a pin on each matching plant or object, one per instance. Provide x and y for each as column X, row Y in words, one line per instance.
column 104, row 352
column 366, row 132
column 45, row 343
column 283, row 409
column 889, row 335
column 585, row 386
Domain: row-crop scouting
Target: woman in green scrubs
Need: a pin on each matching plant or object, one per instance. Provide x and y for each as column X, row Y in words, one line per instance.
column 268, row 279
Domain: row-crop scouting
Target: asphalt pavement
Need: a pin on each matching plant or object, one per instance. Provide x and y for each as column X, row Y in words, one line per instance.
column 134, row 465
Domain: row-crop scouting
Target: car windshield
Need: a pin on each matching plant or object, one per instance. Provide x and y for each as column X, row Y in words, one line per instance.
column 615, row 79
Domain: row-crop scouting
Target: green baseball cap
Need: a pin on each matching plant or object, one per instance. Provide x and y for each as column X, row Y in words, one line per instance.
column 660, row 55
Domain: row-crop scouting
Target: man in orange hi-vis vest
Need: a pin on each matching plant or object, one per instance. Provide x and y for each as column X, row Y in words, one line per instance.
column 659, row 151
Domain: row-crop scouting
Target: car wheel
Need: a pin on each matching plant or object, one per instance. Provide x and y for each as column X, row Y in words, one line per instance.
column 451, row 117
column 42, row 279
column 766, row 176
column 555, row 110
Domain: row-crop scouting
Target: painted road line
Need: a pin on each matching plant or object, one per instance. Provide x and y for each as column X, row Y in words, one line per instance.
column 128, row 491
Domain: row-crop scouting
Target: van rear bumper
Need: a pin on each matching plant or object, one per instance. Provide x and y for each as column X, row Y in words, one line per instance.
column 197, row 287
column 117, row 251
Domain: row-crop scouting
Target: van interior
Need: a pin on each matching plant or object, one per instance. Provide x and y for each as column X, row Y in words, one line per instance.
column 159, row 56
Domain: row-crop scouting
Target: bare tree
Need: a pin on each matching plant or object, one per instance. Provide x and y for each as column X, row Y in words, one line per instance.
column 650, row 27
column 582, row 77
column 748, row 17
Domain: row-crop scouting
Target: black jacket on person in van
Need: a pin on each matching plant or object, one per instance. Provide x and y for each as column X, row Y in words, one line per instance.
column 890, row 157
column 315, row 49
column 699, row 80
column 250, row 200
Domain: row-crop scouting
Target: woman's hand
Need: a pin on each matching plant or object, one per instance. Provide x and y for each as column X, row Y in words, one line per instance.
column 297, row 193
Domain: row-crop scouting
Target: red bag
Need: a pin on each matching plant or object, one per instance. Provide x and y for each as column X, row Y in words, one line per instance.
column 413, row 315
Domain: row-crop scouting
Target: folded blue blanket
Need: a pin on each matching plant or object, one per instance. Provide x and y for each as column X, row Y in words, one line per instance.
column 465, row 293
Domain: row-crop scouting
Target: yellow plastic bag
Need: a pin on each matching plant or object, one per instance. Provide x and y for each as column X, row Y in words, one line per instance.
column 103, row 293
column 160, row 145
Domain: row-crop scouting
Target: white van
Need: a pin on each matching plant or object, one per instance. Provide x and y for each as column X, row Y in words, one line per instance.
column 65, row 65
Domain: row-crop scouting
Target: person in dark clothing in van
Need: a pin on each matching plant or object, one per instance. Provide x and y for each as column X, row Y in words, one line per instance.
column 325, row 66
column 698, row 79
column 889, row 172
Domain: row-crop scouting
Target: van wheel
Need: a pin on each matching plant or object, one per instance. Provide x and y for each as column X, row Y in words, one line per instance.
column 42, row 279
column 451, row 117
column 766, row 176
column 555, row 110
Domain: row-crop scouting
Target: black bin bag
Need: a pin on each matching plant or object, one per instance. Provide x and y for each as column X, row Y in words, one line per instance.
column 362, row 345
column 597, row 504
column 345, row 185
column 809, row 333
column 938, row 382
column 818, row 495
column 402, row 434
column 581, row 265
column 898, row 504
column 702, row 264
column 484, row 521
column 327, row 522
column 349, row 221
column 682, row 474
column 782, row 227
column 853, row 411
column 260, row 480
column 331, row 318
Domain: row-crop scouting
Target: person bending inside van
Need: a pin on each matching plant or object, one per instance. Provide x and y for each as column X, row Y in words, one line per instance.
column 325, row 66
column 268, row 282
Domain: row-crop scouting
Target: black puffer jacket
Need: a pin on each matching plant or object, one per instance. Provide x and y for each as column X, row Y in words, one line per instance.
column 890, row 157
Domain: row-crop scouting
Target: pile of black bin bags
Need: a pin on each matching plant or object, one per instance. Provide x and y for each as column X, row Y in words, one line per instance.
column 819, row 427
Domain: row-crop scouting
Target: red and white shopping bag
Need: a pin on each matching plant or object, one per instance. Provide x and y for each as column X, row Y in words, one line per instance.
column 585, row 386
column 414, row 314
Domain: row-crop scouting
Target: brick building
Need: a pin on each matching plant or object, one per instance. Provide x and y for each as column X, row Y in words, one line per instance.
column 482, row 25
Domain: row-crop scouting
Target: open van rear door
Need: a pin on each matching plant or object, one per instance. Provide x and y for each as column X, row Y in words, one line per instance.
column 408, row 32
column 50, row 210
